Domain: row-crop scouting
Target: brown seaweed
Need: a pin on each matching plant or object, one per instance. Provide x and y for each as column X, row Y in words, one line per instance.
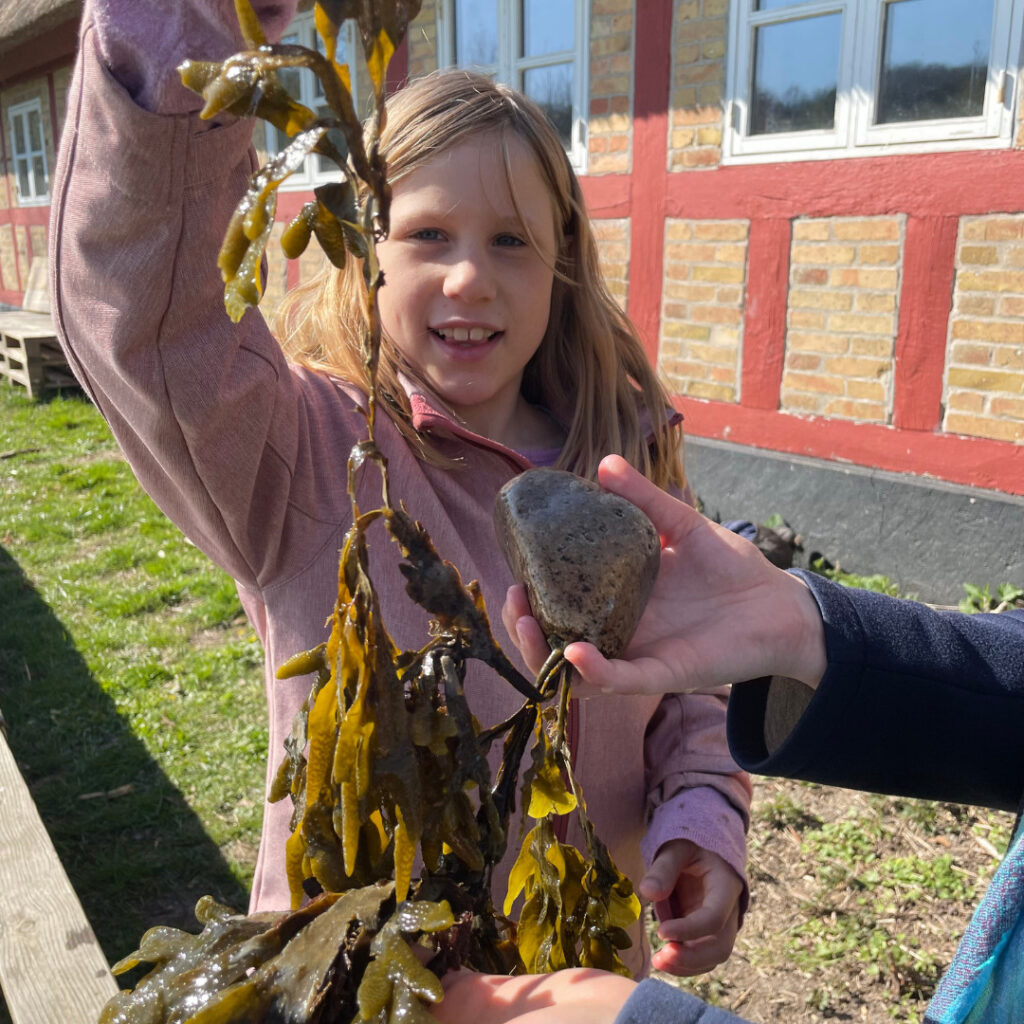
column 384, row 761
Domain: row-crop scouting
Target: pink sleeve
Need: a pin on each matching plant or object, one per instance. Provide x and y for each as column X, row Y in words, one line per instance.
column 219, row 429
column 695, row 790
column 143, row 41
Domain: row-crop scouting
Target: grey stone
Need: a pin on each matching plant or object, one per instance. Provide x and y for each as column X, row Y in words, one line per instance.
column 587, row 558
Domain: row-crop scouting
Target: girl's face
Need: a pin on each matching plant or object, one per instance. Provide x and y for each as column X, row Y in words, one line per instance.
column 466, row 296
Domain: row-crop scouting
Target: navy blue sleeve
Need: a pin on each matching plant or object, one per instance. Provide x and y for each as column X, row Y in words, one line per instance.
column 654, row 1002
column 914, row 702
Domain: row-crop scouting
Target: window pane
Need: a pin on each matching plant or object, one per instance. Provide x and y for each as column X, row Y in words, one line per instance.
column 18, row 129
column 24, row 186
column 476, row 32
column 548, row 26
column 795, row 75
column 339, row 56
column 934, row 59
column 39, row 176
column 551, row 87
column 35, row 135
column 321, row 164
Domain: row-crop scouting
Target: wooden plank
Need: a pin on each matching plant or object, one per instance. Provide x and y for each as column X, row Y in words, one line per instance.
column 37, row 287
column 51, row 966
column 22, row 323
column 22, row 362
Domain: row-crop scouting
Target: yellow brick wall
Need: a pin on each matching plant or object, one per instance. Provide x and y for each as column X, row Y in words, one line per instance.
column 1019, row 141
column 702, row 307
column 21, row 244
column 311, row 262
column 609, row 135
column 276, row 283
column 613, row 249
column 699, row 35
column 422, row 37
column 8, row 268
column 277, row 270
column 37, row 237
column 984, row 393
column 841, row 317
column 61, row 82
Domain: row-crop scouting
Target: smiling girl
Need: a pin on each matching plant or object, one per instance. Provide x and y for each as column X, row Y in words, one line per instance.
column 502, row 350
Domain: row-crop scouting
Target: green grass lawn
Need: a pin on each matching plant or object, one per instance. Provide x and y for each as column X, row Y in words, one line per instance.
column 130, row 681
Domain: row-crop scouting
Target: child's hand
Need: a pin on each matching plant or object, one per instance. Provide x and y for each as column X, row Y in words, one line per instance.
column 578, row 996
column 143, row 41
column 697, row 899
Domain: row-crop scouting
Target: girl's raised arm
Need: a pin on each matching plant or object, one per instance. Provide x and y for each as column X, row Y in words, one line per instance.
column 217, row 426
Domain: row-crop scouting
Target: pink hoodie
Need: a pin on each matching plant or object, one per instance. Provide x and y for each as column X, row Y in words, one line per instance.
column 247, row 454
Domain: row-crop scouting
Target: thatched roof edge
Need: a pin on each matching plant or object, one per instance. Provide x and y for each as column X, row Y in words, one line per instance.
column 22, row 20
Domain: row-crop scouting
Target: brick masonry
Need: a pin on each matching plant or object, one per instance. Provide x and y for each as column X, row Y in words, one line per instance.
column 276, row 283
column 702, row 307
column 1019, row 137
column 61, row 84
column 613, row 249
column 841, row 317
column 21, row 245
column 422, row 36
column 610, row 124
column 699, row 35
column 8, row 266
column 984, row 388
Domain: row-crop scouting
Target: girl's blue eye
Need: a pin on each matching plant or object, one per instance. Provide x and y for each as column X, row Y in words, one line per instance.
column 427, row 234
column 509, row 240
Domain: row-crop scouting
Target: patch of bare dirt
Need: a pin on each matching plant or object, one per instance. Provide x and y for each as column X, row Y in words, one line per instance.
column 857, row 904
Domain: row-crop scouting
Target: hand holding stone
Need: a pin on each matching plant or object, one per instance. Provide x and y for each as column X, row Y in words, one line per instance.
column 587, row 558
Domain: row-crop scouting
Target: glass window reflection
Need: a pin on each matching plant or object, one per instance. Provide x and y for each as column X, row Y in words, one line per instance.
column 551, row 88
column 476, row 32
column 549, row 26
column 39, row 173
column 795, row 75
column 935, row 57
column 18, row 128
column 35, row 135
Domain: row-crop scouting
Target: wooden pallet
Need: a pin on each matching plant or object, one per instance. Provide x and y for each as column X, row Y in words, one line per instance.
column 30, row 354
column 51, row 966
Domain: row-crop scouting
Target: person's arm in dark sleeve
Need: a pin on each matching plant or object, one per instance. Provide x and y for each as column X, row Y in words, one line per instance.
column 914, row 702
column 654, row 1002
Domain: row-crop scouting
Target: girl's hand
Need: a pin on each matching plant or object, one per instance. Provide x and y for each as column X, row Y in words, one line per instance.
column 578, row 996
column 697, row 899
column 720, row 612
column 143, row 41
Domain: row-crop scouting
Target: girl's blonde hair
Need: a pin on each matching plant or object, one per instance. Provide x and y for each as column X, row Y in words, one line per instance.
column 590, row 371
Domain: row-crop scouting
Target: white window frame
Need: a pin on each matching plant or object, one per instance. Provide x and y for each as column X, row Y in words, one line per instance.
column 510, row 66
column 22, row 110
column 854, row 132
column 302, row 26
